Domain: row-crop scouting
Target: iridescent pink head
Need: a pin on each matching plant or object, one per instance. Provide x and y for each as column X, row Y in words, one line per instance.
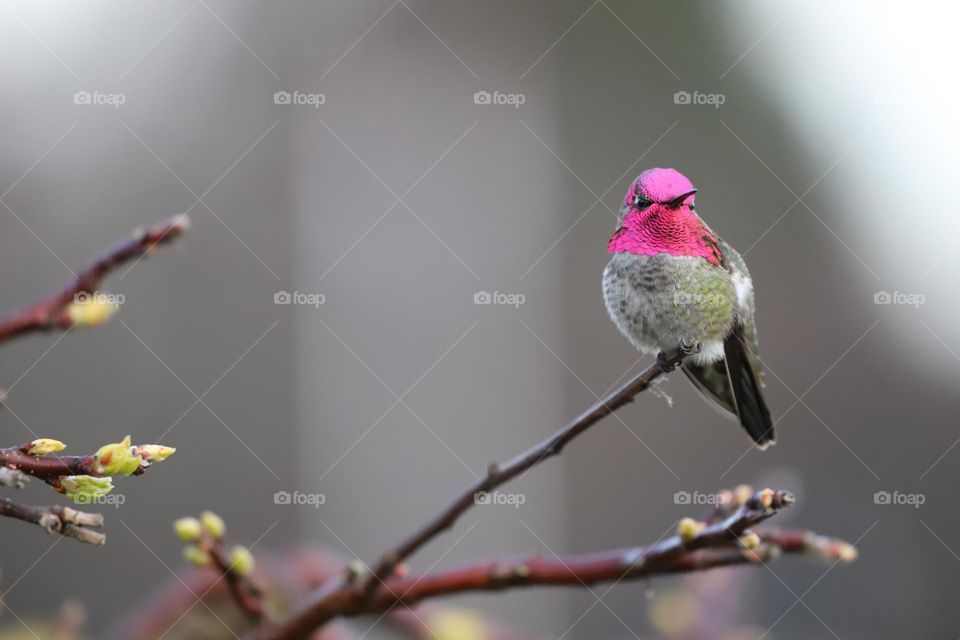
column 659, row 218
column 661, row 186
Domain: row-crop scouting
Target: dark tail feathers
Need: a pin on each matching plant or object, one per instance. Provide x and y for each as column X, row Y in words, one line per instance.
column 748, row 399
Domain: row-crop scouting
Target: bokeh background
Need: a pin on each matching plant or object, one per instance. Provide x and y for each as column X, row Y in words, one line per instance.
column 820, row 135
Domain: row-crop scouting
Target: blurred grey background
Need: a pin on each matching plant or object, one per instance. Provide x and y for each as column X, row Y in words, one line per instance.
column 819, row 134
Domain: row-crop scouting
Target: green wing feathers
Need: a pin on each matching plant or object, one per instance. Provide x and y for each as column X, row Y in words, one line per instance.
column 733, row 385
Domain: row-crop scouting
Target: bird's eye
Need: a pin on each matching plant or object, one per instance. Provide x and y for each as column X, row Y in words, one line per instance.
column 640, row 202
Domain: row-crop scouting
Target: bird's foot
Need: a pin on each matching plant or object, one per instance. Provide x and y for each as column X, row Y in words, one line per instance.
column 665, row 365
column 690, row 349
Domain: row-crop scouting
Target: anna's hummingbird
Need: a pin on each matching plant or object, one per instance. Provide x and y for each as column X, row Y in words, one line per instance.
column 673, row 282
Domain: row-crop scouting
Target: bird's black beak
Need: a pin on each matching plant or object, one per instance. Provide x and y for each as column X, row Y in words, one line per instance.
column 676, row 202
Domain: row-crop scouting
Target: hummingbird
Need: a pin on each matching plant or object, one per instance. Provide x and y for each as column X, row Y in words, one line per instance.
column 672, row 282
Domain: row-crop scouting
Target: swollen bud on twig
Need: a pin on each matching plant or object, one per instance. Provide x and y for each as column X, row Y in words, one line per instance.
column 750, row 540
column 355, row 569
column 116, row 459
column 196, row 556
column 847, row 553
column 766, row 498
column 741, row 494
column 85, row 489
column 91, row 311
column 188, row 529
column 154, row 452
column 688, row 528
column 45, row 446
column 213, row 524
column 241, row 561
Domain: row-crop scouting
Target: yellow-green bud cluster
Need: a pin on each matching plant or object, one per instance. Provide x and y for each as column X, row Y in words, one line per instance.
column 241, row 561
column 116, row 459
column 85, row 489
column 188, row 529
column 213, row 524
column 91, row 311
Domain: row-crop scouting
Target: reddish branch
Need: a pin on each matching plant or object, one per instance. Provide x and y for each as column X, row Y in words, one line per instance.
column 354, row 594
column 47, row 467
column 719, row 544
column 57, row 519
column 51, row 312
column 499, row 474
column 51, row 468
column 12, row 478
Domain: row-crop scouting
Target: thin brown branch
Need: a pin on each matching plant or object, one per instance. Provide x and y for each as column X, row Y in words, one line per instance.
column 66, row 521
column 52, row 312
column 365, row 588
column 47, row 467
column 13, row 479
column 809, row 543
column 499, row 474
column 50, row 468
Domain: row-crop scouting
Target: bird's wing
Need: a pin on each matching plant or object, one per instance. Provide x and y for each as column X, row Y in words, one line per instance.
column 734, row 384
column 746, row 310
